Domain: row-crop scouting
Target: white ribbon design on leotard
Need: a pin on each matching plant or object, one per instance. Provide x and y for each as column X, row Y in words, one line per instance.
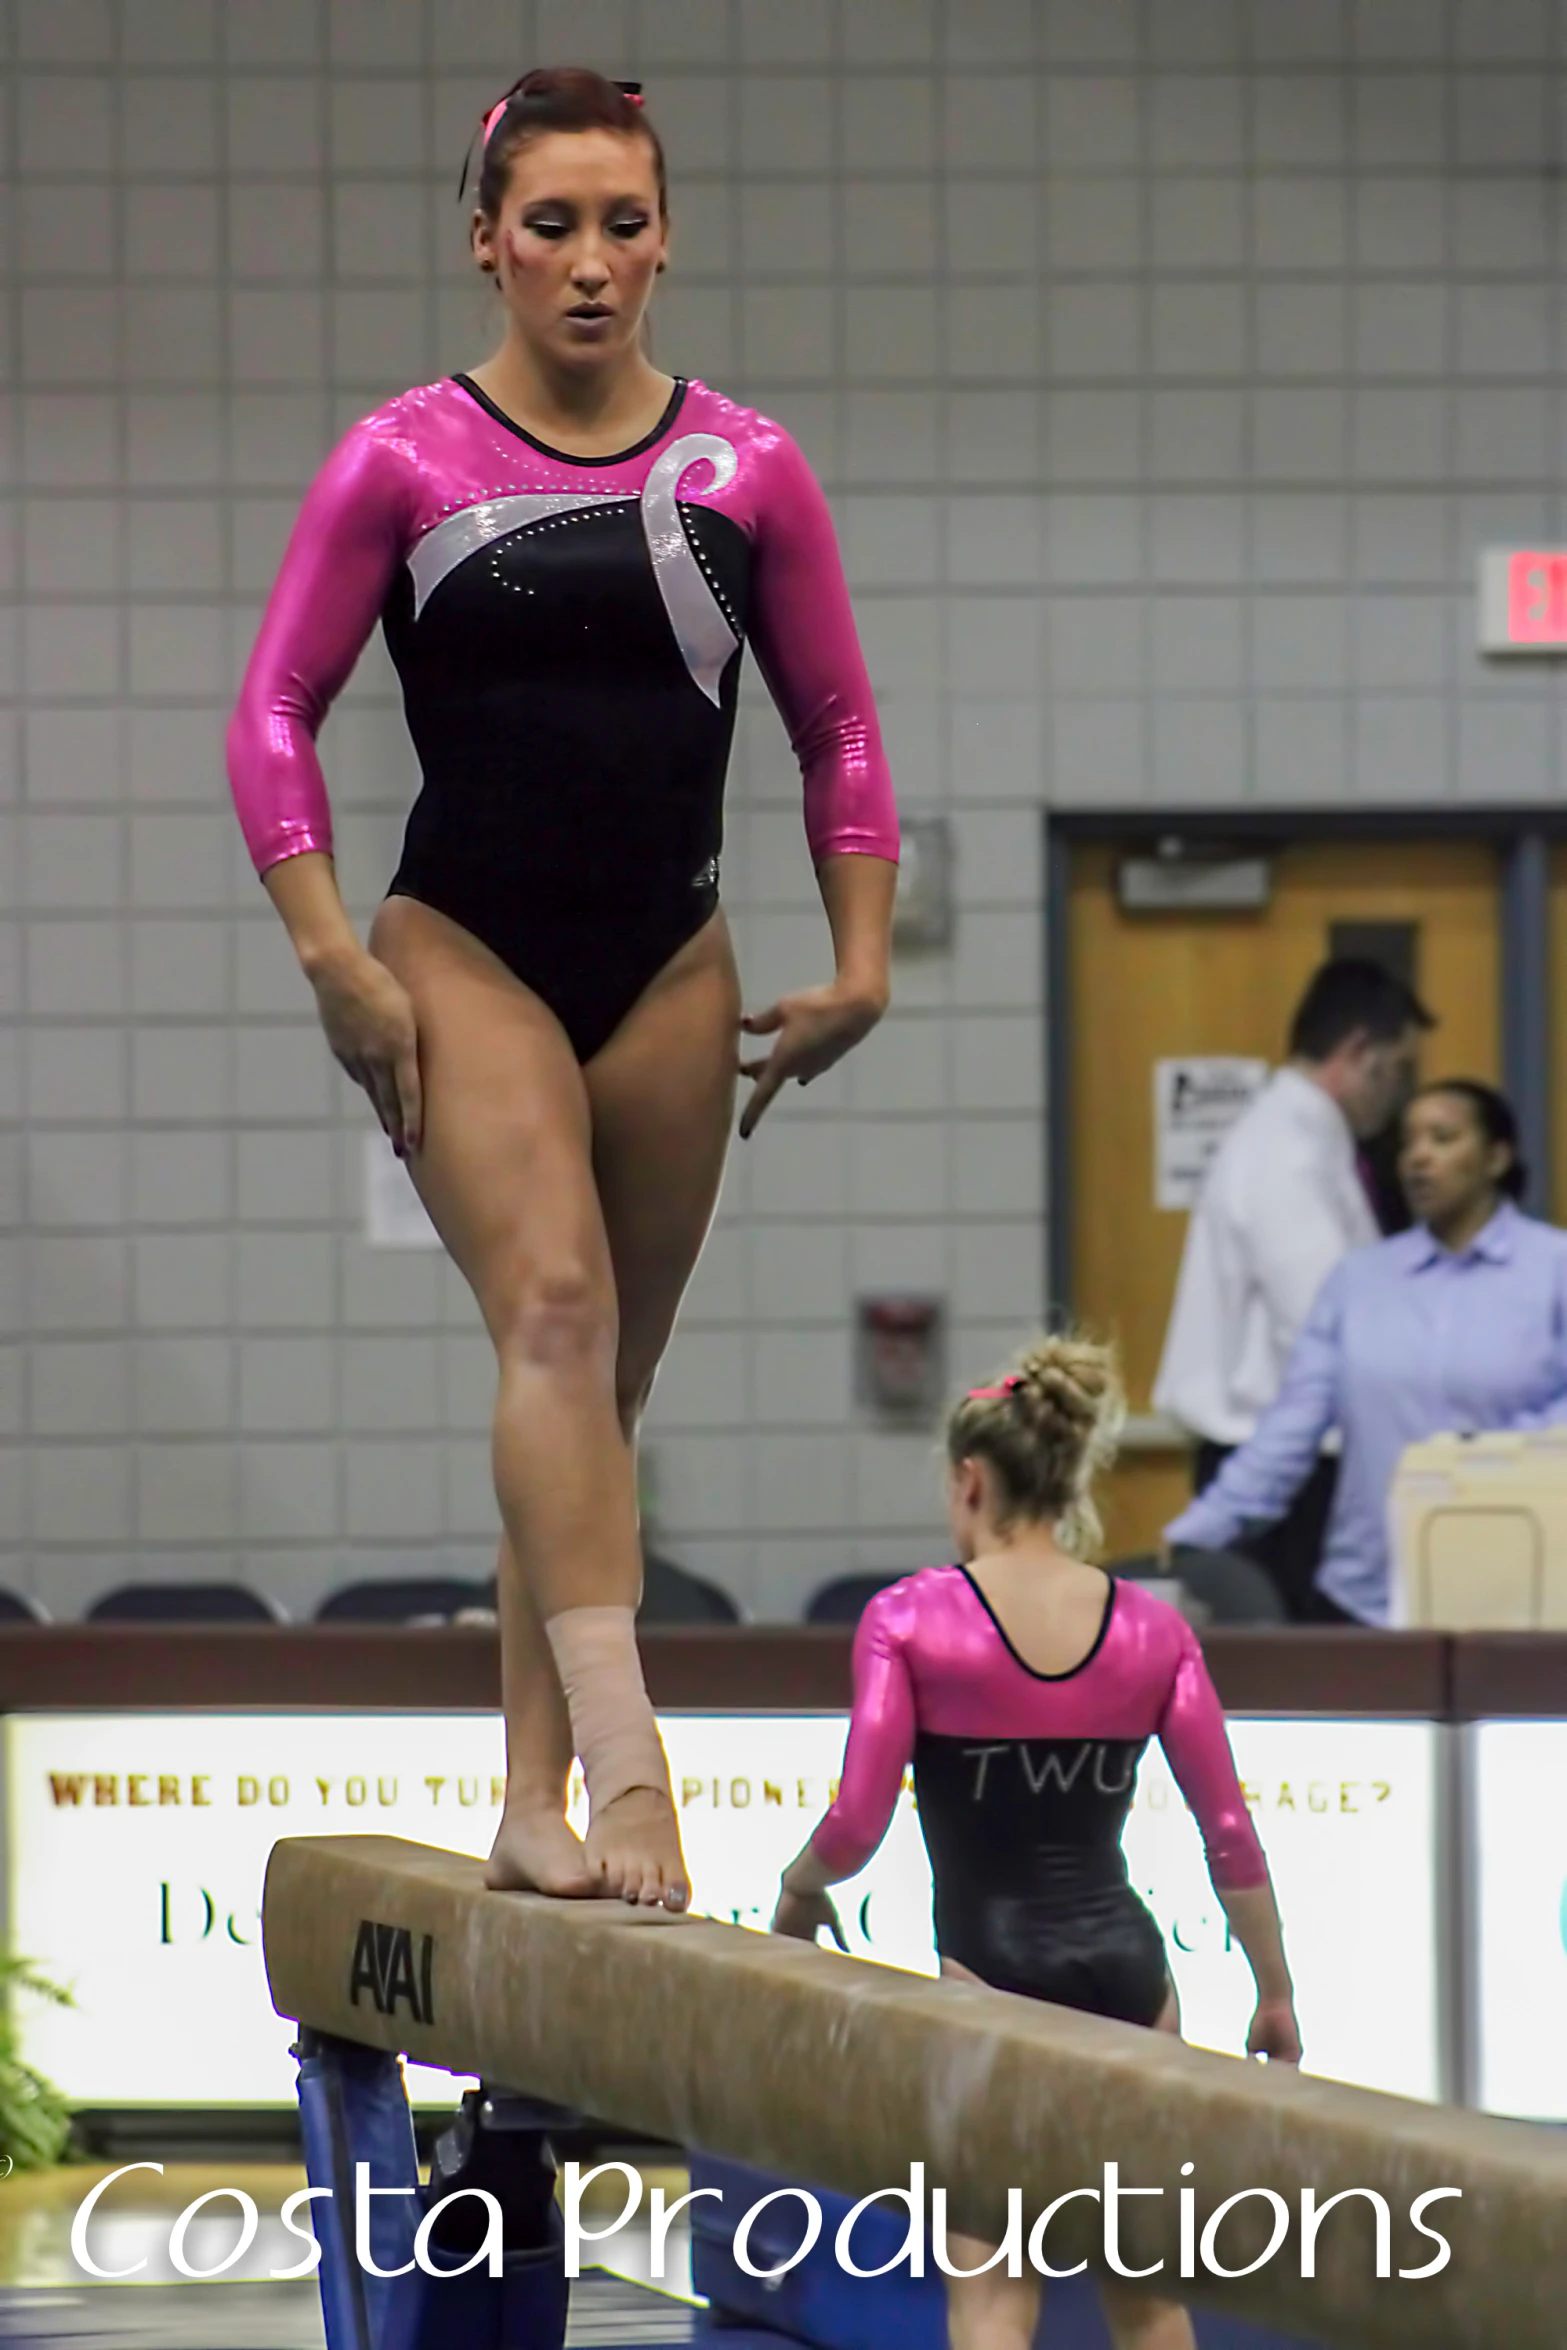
column 701, row 628
column 702, row 631
column 451, row 542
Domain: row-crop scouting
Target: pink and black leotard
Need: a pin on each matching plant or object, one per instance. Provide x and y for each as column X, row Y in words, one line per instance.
column 1024, row 1781
column 568, row 635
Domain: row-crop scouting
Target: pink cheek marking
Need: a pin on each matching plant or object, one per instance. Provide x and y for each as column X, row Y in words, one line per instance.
column 525, row 259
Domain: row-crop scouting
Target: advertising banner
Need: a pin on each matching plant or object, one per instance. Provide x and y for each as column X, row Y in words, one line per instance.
column 137, row 1845
column 1520, row 1918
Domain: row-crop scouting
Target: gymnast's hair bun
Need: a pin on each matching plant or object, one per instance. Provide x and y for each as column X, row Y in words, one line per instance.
column 1067, row 1386
column 1046, row 1427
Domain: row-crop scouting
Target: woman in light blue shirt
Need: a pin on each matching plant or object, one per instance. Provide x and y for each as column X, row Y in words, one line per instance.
column 1458, row 1324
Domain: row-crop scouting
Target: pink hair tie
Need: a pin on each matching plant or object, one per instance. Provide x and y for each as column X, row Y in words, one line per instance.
column 631, row 90
column 487, row 123
column 993, row 1394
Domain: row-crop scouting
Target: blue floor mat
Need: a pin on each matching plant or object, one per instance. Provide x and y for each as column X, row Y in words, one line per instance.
column 606, row 2314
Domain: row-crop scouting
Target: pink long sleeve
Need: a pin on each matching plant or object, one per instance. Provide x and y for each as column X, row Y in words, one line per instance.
column 929, row 1658
column 802, row 631
column 340, row 562
column 881, row 1741
column 1194, row 1738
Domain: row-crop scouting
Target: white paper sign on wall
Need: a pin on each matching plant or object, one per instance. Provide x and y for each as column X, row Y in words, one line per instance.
column 1195, row 1103
column 394, row 1213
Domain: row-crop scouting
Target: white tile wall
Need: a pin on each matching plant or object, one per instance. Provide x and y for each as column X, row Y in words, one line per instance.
column 1166, row 361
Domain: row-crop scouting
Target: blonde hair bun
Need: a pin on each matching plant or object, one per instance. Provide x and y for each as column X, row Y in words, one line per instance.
column 1071, row 1384
column 1047, row 1427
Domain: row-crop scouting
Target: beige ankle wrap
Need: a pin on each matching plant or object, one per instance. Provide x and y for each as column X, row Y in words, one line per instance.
column 612, row 1722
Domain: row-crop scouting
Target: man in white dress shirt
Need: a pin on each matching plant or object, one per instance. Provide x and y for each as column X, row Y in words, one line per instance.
column 1284, row 1200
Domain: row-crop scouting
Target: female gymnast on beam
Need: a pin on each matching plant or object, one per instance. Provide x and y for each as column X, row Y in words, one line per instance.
column 567, row 550
column 1024, row 1686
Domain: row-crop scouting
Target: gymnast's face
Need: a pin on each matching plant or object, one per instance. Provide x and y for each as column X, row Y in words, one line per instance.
column 577, row 244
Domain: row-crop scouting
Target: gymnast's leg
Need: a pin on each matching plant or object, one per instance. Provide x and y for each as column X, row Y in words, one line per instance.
column 506, row 1171
column 661, row 1094
column 990, row 2310
column 534, row 1849
column 661, row 1105
column 998, row 2312
column 1136, row 2320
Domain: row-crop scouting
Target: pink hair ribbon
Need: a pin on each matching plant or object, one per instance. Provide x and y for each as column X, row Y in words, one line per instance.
column 489, row 121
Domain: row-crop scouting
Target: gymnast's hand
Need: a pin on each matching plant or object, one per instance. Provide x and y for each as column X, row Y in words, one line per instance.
column 369, row 1023
column 1274, row 2032
column 814, row 1029
column 802, row 1916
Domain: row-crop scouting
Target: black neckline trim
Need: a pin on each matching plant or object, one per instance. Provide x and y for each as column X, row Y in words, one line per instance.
column 1022, row 1662
column 564, row 456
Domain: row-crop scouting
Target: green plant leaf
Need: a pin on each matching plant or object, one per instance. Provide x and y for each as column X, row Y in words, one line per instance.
column 35, row 2119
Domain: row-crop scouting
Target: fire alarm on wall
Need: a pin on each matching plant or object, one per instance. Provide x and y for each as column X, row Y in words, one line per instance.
column 901, row 1350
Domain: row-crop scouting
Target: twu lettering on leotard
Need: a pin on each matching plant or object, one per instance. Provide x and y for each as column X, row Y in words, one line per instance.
column 696, row 619
column 1057, row 1768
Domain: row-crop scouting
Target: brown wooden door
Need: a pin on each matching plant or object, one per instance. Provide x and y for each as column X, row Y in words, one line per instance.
column 1146, row 987
column 1558, row 1032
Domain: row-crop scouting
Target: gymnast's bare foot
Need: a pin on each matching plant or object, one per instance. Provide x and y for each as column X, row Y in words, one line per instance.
column 633, row 1849
column 535, row 1852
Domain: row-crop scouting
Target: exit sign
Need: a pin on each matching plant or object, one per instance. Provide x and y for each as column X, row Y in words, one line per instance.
column 1523, row 600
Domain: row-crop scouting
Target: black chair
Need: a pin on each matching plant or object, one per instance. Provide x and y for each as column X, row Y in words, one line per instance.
column 1232, row 1589
column 17, row 1608
column 406, row 1599
column 184, row 1603
column 845, row 1601
column 673, row 1595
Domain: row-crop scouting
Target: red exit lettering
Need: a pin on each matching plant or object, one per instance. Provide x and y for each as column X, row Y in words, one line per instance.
column 1537, row 597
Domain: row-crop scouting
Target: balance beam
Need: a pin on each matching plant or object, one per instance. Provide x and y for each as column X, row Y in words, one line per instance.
column 834, row 2071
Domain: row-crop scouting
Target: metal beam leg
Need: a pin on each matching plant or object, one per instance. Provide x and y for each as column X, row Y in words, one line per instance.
column 498, row 2144
column 354, row 2110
